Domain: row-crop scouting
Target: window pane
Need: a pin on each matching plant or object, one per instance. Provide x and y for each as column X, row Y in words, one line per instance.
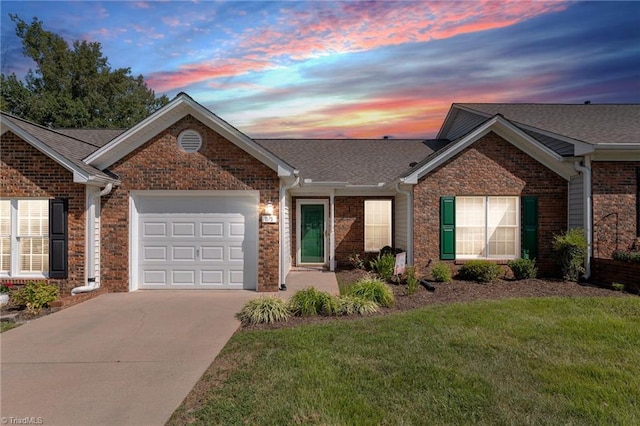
column 470, row 226
column 34, row 254
column 33, row 218
column 5, row 218
column 5, row 254
column 502, row 226
column 377, row 224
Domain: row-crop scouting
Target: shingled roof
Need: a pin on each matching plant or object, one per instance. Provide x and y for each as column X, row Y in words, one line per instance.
column 589, row 123
column 352, row 161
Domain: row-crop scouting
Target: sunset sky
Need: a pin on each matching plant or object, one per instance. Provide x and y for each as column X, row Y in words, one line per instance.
column 354, row 69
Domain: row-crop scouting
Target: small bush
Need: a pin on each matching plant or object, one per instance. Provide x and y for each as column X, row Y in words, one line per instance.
column 441, row 273
column 310, row 301
column 480, row 270
column 627, row 256
column 617, row 286
column 36, row 296
column 351, row 305
column 412, row 280
column 383, row 266
column 264, row 310
column 356, row 261
column 571, row 248
column 373, row 289
column 523, row 268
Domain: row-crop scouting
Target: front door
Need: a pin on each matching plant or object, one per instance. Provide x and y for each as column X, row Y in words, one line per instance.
column 312, row 233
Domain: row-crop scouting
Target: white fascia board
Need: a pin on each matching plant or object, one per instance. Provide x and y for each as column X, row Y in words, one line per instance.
column 511, row 134
column 617, row 152
column 79, row 175
column 181, row 106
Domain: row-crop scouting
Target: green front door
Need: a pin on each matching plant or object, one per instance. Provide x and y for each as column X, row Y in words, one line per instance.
column 312, row 233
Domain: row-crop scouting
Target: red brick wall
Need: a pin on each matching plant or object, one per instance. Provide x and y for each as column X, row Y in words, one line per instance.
column 491, row 166
column 26, row 172
column 349, row 226
column 614, row 189
column 609, row 271
column 160, row 165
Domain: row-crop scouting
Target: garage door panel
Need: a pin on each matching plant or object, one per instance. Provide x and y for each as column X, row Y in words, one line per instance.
column 182, row 245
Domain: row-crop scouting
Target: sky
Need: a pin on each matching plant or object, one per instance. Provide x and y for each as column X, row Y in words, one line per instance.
column 353, row 69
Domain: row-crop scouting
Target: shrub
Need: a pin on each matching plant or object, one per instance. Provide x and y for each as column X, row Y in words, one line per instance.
column 350, row 305
column 441, row 273
column 373, row 289
column 36, row 296
column 627, row 256
column 356, row 261
column 310, row 301
column 480, row 270
column 617, row 286
column 571, row 248
column 383, row 266
column 412, row 280
column 264, row 310
column 523, row 268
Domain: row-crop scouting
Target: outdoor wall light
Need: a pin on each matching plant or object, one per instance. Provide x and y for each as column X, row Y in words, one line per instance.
column 268, row 208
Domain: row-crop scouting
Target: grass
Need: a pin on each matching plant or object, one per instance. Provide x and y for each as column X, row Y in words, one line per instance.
column 519, row 361
column 6, row 326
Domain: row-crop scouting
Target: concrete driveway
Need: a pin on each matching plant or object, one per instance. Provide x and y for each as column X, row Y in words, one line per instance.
column 118, row 359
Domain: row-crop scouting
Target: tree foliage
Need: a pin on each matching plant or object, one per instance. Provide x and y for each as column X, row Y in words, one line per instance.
column 73, row 86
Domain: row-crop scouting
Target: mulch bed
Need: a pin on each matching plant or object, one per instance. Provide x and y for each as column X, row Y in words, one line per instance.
column 23, row 315
column 456, row 292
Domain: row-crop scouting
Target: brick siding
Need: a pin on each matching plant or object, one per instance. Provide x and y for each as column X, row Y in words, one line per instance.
column 609, row 271
column 490, row 166
column 160, row 165
column 614, row 192
column 349, row 226
column 27, row 172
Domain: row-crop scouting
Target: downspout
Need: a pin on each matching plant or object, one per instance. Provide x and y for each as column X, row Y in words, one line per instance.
column 91, row 217
column 332, row 234
column 586, row 172
column 283, row 195
column 409, row 195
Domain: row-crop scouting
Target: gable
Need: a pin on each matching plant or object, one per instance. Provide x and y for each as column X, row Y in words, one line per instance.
column 179, row 108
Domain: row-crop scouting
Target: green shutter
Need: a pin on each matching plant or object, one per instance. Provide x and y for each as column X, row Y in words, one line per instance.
column 529, row 227
column 447, row 228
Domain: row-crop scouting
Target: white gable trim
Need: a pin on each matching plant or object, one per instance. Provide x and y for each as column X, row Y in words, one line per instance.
column 511, row 134
column 79, row 175
column 178, row 108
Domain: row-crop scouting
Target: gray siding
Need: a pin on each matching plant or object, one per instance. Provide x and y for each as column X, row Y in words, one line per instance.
column 463, row 123
column 400, row 223
column 576, row 203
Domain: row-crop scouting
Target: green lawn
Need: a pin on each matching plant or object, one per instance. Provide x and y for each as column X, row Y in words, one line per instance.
column 522, row 361
column 5, row 326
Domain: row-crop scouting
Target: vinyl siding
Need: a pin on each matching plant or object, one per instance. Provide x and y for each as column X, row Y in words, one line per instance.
column 576, row 205
column 463, row 123
column 286, row 212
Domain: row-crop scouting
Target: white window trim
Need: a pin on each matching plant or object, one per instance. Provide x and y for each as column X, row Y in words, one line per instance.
column 14, row 242
column 390, row 226
column 518, row 246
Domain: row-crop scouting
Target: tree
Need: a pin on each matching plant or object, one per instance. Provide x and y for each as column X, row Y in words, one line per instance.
column 73, row 86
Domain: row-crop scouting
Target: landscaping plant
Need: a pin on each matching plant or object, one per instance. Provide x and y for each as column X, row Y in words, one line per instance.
column 264, row 310
column 351, row 305
column 571, row 248
column 373, row 289
column 482, row 271
column 383, row 266
column 310, row 301
column 627, row 256
column 36, row 295
column 523, row 268
column 412, row 280
column 441, row 273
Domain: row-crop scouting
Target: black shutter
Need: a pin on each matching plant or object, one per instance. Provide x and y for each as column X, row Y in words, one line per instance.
column 58, row 263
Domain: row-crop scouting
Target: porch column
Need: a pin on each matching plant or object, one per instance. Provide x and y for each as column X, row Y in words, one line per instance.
column 332, row 234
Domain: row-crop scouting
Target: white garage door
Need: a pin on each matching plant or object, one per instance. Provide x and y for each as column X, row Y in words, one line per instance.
column 197, row 242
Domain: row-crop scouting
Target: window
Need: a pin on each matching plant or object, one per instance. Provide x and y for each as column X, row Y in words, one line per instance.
column 487, row 227
column 24, row 237
column 377, row 224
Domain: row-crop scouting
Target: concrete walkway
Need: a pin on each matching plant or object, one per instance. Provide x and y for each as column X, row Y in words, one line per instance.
column 118, row 359
column 299, row 279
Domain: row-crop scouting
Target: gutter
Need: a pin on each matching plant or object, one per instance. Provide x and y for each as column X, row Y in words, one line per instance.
column 586, row 172
column 92, row 200
column 409, row 195
column 283, row 194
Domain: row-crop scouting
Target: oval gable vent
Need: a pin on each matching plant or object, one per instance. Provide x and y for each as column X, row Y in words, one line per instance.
column 189, row 141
